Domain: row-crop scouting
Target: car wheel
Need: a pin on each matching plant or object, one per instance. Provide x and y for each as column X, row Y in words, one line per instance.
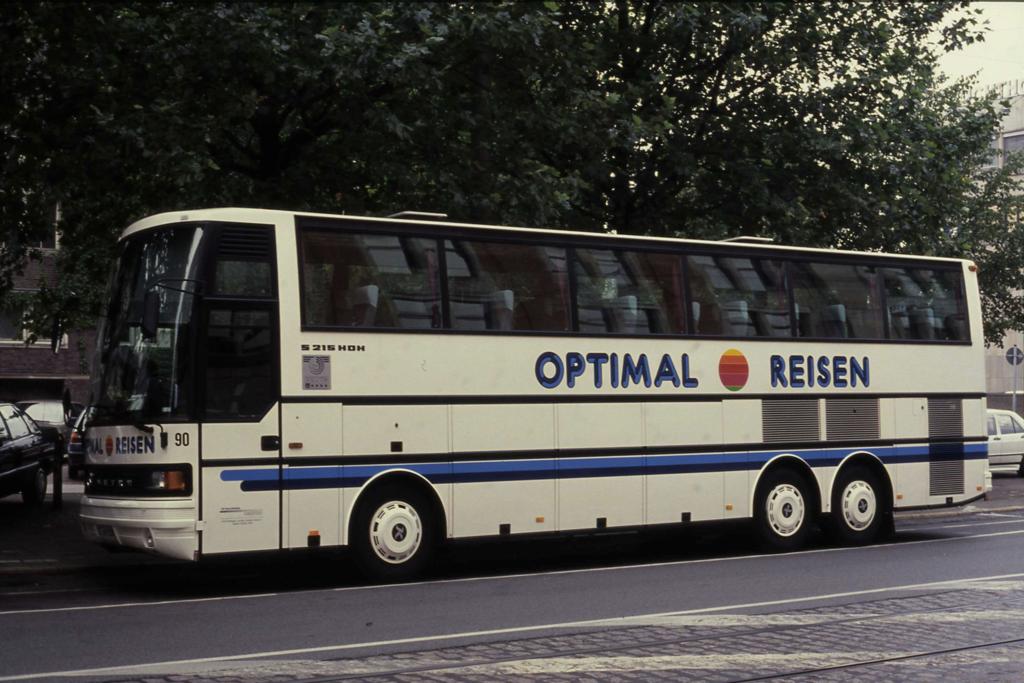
column 33, row 490
column 393, row 533
column 859, row 506
column 782, row 513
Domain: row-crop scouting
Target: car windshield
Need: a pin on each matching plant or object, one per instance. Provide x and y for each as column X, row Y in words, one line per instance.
column 137, row 378
column 43, row 411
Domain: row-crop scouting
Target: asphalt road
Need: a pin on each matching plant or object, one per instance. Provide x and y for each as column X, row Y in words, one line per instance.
column 947, row 593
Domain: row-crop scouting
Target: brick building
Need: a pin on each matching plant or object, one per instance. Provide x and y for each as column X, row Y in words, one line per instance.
column 34, row 371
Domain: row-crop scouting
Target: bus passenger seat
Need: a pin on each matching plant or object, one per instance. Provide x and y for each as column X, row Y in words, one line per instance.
column 899, row 322
column 363, row 305
column 955, row 327
column 626, row 314
column 737, row 319
column 709, row 320
column 922, row 322
column 834, row 320
column 500, row 309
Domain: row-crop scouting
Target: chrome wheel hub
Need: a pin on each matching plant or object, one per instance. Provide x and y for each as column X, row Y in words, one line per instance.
column 785, row 509
column 396, row 531
column 859, row 505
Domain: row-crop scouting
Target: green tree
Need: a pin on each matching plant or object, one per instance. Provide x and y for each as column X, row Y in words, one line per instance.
column 819, row 124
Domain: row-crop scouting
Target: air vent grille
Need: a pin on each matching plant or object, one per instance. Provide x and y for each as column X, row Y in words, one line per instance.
column 851, row 419
column 946, row 477
column 784, row 420
column 245, row 244
column 945, row 418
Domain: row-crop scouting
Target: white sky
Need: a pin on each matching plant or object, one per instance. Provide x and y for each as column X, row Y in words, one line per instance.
column 1001, row 56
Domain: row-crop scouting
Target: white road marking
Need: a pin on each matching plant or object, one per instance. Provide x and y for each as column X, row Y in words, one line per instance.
column 504, row 577
column 614, row 622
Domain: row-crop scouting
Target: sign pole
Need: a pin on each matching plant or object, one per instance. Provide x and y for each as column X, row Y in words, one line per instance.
column 1014, row 356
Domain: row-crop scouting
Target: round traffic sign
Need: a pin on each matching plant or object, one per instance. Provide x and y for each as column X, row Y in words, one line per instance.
column 1014, row 356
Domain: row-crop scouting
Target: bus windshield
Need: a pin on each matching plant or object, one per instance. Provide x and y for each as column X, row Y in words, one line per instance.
column 140, row 379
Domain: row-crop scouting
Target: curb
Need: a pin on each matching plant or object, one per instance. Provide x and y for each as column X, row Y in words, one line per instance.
column 957, row 511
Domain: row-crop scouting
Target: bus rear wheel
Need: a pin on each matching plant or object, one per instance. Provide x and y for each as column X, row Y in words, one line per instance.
column 782, row 514
column 858, row 506
column 393, row 535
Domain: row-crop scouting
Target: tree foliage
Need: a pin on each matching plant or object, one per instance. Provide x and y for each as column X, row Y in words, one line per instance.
column 819, row 124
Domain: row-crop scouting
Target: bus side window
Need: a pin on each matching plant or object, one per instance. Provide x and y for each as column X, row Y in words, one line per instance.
column 240, row 363
column 925, row 303
column 506, row 286
column 243, row 278
column 370, row 280
column 629, row 292
column 836, row 300
column 244, row 268
column 739, row 296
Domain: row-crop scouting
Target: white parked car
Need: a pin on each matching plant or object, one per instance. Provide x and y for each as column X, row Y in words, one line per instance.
column 1005, row 441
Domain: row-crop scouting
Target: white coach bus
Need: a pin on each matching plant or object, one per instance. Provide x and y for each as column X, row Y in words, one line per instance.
column 270, row 380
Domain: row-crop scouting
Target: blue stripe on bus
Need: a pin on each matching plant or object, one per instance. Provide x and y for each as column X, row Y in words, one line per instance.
column 298, row 478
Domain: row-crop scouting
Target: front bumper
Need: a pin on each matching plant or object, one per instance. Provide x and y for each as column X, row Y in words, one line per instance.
column 165, row 527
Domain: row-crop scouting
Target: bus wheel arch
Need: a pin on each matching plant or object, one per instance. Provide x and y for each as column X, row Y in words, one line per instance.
column 395, row 524
column 786, row 503
column 861, row 500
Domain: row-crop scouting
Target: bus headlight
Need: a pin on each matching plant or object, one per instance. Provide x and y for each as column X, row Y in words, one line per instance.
column 169, row 480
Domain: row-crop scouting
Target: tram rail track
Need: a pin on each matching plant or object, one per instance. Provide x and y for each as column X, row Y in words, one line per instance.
column 881, row 660
column 467, row 665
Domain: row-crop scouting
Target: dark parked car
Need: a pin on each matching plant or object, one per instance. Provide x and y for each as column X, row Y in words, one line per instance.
column 28, row 454
column 52, row 413
column 75, row 450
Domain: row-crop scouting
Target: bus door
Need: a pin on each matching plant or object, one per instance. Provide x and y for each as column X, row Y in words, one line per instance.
column 239, row 366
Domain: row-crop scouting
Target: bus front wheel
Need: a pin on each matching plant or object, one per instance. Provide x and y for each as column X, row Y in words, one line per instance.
column 393, row 533
column 858, row 506
column 782, row 510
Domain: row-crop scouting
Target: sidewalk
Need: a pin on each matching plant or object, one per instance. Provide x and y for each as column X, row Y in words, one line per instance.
column 1007, row 495
column 46, row 540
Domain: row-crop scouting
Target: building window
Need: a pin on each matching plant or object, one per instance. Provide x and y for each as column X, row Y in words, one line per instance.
column 14, row 319
column 1013, row 144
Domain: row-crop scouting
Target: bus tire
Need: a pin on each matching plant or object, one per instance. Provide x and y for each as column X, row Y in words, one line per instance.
column 33, row 488
column 393, row 533
column 859, row 506
column 782, row 512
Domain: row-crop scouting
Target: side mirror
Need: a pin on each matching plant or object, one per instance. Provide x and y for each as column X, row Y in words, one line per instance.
column 150, row 314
